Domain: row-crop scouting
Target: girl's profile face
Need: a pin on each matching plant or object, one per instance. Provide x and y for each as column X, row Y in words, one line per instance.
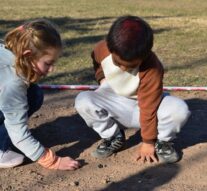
column 45, row 63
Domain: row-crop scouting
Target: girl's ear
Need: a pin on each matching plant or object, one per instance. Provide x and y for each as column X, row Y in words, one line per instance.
column 27, row 53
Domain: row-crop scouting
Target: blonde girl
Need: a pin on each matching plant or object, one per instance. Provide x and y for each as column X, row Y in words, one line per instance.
column 28, row 54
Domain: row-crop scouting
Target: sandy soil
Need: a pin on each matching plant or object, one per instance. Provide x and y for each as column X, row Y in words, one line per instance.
column 58, row 126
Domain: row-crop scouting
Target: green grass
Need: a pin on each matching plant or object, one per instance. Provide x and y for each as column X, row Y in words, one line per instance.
column 180, row 34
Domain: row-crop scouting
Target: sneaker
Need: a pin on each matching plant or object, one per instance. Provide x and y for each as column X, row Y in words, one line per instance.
column 165, row 152
column 110, row 146
column 10, row 159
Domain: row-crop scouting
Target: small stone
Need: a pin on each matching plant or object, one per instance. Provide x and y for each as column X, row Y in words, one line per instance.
column 75, row 183
column 100, row 166
column 35, row 116
column 106, row 180
column 9, row 187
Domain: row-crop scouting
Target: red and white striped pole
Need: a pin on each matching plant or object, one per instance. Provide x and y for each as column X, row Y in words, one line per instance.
column 93, row 87
column 185, row 88
column 69, row 87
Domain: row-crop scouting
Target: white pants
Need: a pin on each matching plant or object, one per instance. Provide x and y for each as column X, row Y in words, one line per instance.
column 103, row 110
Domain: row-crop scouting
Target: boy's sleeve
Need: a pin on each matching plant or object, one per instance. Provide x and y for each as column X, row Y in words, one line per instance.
column 99, row 53
column 149, row 97
column 99, row 75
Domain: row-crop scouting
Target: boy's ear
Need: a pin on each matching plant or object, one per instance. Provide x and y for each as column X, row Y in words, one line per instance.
column 27, row 53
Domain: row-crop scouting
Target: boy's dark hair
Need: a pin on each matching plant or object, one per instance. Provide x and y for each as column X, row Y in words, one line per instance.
column 130, row 37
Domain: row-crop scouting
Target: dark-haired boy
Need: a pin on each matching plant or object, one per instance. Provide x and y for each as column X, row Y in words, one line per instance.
column 131, row 94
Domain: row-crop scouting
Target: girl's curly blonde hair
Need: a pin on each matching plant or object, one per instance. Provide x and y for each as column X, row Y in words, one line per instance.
column 37, row 36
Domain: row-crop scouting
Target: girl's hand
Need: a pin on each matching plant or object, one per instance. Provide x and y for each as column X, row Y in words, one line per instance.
column 67, row 163
column 51, row 161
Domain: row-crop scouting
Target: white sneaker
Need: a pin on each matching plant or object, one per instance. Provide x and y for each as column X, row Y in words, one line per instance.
column 10, row 159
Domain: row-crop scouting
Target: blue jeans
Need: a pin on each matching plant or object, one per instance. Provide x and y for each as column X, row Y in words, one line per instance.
column 35, row 99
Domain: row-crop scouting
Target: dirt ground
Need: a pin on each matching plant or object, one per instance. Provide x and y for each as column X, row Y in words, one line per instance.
column 57, row 125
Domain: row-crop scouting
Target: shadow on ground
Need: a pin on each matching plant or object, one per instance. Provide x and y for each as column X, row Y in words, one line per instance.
column 65, row 130
column 153, row 177
column 146, row 180
column 195, row 130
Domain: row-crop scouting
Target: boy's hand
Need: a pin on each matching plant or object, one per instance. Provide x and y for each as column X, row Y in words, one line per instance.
column 146, row 153
column 102, row 80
